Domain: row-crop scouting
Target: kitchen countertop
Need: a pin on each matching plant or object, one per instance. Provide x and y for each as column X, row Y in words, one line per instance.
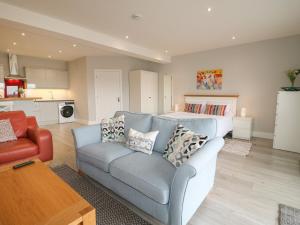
column 54, row 100
column 19, row 99
column 36, row 99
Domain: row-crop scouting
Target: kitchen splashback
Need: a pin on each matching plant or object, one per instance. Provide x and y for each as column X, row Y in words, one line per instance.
column 48, row 93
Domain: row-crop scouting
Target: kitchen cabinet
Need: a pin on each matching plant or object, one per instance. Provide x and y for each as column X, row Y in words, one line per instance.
column 45, row 112
column 143, row 91
column 47, row 78
column 30, row 108
column 48, row 112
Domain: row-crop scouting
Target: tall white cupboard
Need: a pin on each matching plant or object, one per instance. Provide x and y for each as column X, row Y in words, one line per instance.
column 287, row 123
column 143, row 91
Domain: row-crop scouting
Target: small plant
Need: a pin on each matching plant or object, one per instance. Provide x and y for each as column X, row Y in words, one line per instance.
column 21, row 92
column 292, row 75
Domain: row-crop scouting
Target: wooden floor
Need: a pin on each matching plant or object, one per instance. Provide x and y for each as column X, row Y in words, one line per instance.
column 247, row 190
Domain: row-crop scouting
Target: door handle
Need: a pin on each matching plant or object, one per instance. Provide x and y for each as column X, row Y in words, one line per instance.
column 118, row 99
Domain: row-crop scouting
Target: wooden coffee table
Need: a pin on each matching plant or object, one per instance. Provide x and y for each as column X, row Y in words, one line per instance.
column 34, row 195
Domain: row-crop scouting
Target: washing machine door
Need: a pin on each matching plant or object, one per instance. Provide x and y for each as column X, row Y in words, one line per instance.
column 67, row 111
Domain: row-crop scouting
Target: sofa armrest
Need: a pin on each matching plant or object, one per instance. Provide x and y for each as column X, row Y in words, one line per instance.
column 42, row 138
column 197, row 168
column 86, row 135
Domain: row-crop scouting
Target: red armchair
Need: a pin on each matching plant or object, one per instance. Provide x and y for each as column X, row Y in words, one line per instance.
column 32, row 141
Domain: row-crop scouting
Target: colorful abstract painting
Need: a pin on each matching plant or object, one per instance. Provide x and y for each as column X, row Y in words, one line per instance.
column 209, row 79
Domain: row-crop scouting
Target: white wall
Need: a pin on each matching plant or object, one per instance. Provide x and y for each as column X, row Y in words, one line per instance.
column 256, row 71
column 82, row 80
column 78, row 88
column 124, row 63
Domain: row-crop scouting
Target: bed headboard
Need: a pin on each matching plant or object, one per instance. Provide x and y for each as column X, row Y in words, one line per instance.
column 216, row 99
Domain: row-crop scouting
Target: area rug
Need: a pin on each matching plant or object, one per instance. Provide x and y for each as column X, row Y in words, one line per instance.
column 288, row 215
column 109, row 211
column 238, row 147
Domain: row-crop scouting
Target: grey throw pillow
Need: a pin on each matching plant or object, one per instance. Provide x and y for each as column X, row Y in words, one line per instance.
column 6, row 131
column 182, row 145
column 142, row 142
column 113, row 129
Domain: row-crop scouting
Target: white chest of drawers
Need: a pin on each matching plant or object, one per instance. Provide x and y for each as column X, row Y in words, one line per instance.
column 287, row 123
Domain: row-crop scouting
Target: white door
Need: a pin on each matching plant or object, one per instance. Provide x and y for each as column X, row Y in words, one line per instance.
column 108, row 93
column 167, row 93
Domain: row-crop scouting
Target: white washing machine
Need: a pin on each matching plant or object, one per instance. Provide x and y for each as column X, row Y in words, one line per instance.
column 66, row 112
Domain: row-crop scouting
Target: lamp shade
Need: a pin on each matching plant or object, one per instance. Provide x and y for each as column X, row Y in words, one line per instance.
column 243, row 112
column 176, row 107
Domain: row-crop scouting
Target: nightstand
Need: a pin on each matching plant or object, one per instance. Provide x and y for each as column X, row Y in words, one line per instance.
column 242, row 128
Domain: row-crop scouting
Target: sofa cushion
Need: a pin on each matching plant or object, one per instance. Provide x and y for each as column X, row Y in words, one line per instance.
column 101, row 155
column 6, row 131
column 151, row 175
column 207, row 126
column 138, row 121
column 16, row 150
column 18, row 121
column 166, row 127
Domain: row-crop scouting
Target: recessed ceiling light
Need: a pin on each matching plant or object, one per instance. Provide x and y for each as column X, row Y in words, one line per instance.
column 14, row 43
column 74, row 45
column 126, row 36
column 49, row 56
column 209, row 9
column 23, row 34
column 233, row 38
column 59, row 51
column 166, row 51
column 136, row 16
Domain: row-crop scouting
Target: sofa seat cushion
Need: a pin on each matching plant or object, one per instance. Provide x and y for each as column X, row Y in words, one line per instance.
column 18, row 149
column 101, row 155
column 151, row 175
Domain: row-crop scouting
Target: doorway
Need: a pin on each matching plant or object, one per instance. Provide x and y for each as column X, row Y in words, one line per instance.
column 108, row 93
column 168, row 93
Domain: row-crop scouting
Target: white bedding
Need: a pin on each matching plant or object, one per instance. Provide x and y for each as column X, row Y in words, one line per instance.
column 224, row 123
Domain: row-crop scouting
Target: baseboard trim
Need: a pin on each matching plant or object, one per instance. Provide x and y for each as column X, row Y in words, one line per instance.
column 260, row 134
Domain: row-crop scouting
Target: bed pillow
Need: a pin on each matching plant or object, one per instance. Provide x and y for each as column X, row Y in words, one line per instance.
column 193, row 108
column 183, row 145
column 113, row 129
column 218, row 110
column 141, row 142
column 6, row 131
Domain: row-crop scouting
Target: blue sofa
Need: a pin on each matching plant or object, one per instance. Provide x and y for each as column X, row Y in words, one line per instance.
column 169, row 194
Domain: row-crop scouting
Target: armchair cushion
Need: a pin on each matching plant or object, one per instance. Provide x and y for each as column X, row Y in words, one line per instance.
column 16, row 150
column 18, row 122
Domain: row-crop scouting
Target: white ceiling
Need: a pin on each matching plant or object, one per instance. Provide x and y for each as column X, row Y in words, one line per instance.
column 44, row 44
column 180, row 26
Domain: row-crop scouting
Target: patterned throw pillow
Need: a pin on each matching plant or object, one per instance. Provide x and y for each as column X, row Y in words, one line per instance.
column 218, row 110
column 193, row 108
column 142, row 142
column 113, row 129
column 6, row 131
column 183, row 144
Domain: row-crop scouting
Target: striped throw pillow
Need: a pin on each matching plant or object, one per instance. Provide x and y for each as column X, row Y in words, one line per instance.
column 218, row 110
column 193, row 108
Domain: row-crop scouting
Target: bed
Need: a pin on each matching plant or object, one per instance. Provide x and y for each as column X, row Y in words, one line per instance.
column 224, row 123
